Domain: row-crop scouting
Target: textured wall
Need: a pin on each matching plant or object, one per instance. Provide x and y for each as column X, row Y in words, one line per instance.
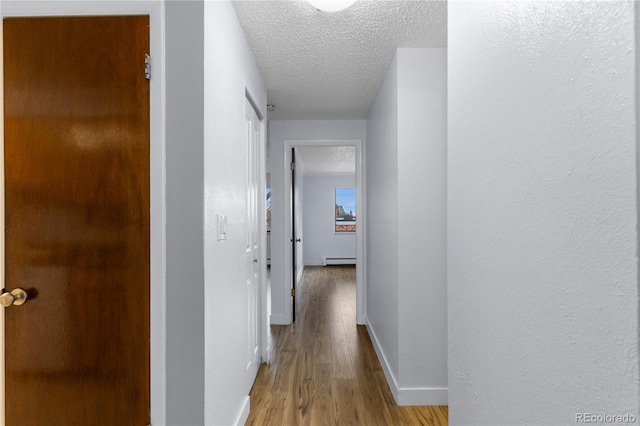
column 422, row 222
column 382, row 220
column 542, row 238
column 185, row 180
column 406, row 238
column 320, row 238
column 230, row 69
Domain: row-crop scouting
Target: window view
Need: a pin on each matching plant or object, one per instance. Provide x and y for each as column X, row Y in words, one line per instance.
column 345, row 210
column 268, row 209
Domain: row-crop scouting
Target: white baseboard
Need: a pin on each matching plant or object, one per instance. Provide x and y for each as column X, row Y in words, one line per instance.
column 423, row 396
column 405, row 395
column 244, row 412
column 313, row 263
column 278, row 319
column 391, row 380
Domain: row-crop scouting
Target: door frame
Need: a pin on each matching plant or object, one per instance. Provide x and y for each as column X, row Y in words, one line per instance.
column 264, row 326
column 361, row 298
column 293, row 229
column 262, row 311
column 155, row 11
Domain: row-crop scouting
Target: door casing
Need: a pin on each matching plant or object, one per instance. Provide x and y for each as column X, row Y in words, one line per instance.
column 256, row 221
column 155, row 10
column 294, row 233
column 360, row 229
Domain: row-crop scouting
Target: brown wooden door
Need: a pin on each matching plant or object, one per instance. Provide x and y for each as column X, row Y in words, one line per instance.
column 77, row 220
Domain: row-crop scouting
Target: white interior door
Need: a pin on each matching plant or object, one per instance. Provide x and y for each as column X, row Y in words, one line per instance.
column 253, row 138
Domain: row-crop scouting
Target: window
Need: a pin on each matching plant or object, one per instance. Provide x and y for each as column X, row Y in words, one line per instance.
column 268, row 209
column 345, row 210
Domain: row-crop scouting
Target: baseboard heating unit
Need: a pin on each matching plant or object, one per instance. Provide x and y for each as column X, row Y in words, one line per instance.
column 338, row 261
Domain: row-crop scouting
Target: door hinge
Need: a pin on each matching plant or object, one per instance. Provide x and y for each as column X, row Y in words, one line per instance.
column 292, row 166
column 293, row 292
column 147, row 67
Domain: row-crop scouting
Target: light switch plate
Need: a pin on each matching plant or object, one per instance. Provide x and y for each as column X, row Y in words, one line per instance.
column 222, row 227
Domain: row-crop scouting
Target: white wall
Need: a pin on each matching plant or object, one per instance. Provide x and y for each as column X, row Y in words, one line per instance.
column 230, row 69
column 542, row 235
column 279, row 131
column 406, row 246
column 184, row 48
column 382, row 222
column 321, row 239
column 422, row 219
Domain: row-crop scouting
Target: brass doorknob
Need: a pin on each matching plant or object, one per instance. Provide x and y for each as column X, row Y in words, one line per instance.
column 17, row 297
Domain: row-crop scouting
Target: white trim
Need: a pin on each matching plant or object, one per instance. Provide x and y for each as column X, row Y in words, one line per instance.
column 158, row 238
column 279, row 319
column 264, row 324
column 244, row 412
column 300, row 273
column 386, row 367
column 360, row 208
column 2, row 231
column 155, row 10
column 405, row 396
column 422, row 396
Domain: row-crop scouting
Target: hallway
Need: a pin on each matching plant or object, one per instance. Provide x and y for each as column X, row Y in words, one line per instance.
column 324, row 369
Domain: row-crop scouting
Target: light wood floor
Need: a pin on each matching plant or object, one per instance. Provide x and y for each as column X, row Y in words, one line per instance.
column 324, row 370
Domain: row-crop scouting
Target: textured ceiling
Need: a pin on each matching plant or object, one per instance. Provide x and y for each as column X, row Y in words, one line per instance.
column 338, row 160
column 320, row 65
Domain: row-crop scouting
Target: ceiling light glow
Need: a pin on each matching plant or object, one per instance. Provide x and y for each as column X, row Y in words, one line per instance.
column 331, row 5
